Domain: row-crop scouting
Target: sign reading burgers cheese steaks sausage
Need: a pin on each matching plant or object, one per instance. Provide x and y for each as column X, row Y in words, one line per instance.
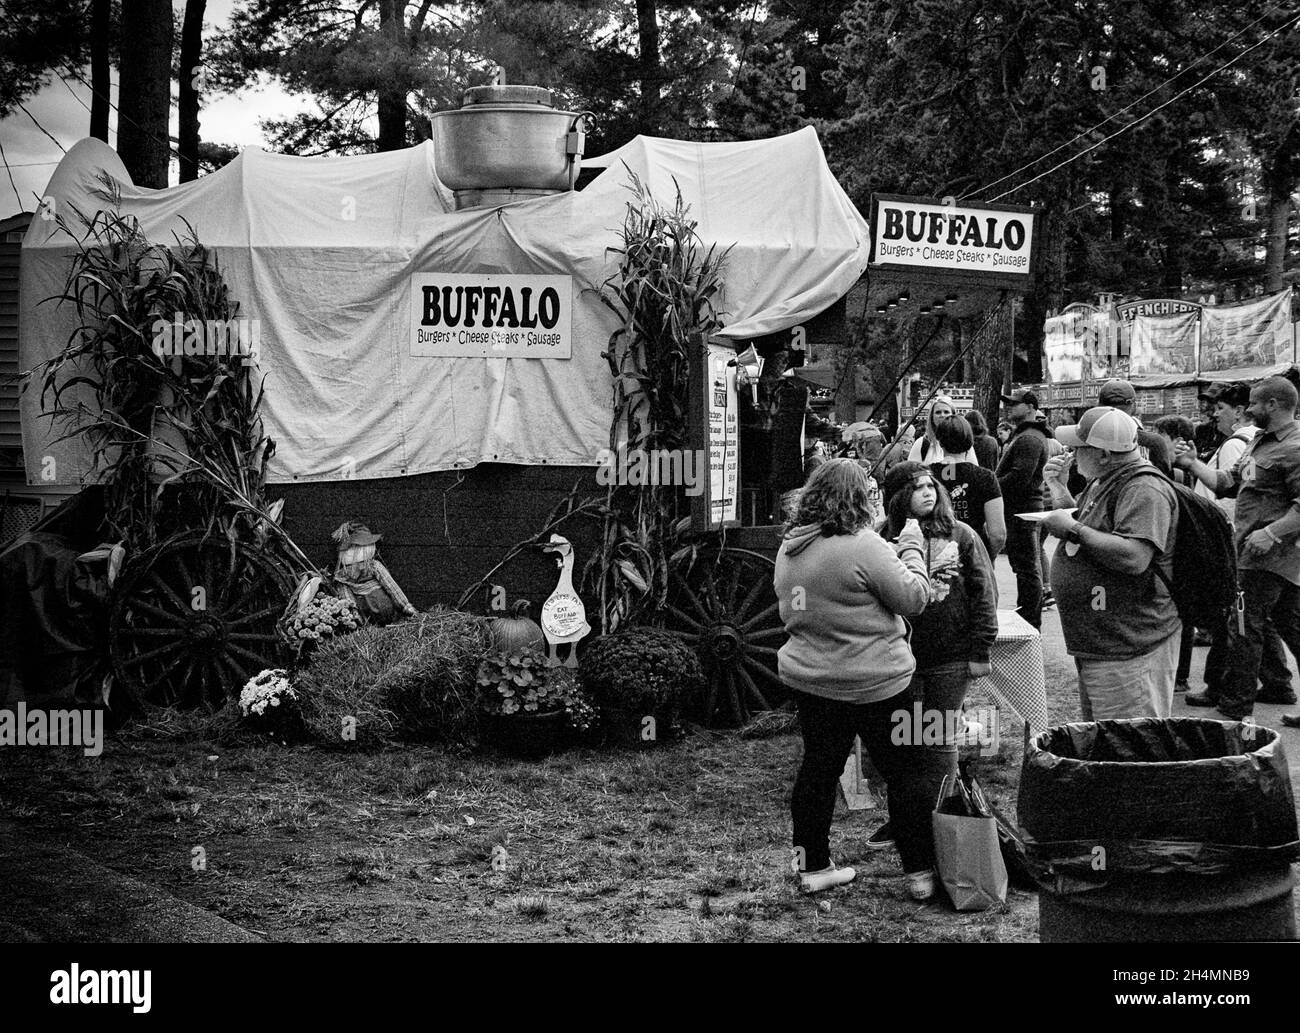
column 492, row 315
column 926, row 234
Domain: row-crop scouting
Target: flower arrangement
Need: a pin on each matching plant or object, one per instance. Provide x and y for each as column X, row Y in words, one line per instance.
column 265, row 692
column 322, row 619
column 642, row 669
column 523, row 683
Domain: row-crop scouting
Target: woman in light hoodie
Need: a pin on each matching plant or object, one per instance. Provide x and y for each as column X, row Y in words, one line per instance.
column 843, row 592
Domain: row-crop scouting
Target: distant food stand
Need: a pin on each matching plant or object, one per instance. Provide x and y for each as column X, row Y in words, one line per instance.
column 1167, row 347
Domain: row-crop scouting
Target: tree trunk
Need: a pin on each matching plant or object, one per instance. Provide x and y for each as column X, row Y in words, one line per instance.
column 191, row 77
column 846, row 380
column 144, row 91
column 647, row 23
column 1280, row 181
column 101, row 14
column 392, row 101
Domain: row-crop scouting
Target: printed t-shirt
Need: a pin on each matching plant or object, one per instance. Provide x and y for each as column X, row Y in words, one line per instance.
column 969, row 486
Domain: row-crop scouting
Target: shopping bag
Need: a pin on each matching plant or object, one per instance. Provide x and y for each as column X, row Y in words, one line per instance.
column 966, row 849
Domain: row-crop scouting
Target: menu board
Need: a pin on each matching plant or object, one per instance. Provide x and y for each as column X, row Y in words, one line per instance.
column 722, row 433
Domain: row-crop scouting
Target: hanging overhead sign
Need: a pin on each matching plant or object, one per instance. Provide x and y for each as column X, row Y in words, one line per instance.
column 489, row 314
column 992, row 244
column 1130, row 310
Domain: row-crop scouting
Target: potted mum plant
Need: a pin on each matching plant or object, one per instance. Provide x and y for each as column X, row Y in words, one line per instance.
column 640, row 679
column 269, row 703
column 531, row 708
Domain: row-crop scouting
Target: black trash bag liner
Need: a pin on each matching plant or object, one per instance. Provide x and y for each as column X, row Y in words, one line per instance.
column 1107, row 799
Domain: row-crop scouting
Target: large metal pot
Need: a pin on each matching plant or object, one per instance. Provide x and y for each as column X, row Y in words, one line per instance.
column 506, row 137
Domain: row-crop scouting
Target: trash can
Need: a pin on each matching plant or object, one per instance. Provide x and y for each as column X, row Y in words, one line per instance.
column 1160, row 830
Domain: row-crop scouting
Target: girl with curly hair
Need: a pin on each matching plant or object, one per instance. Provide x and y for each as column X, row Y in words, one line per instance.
column 843, row 592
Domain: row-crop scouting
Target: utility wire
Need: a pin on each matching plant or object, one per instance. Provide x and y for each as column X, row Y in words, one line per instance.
column 166, row 142
column 23, row 108
column 1138, row 121
column 11, row 177
column 1110, row 118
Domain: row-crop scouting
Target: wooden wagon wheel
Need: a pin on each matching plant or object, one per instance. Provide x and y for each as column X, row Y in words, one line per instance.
column 726, row 609
column 193, row 619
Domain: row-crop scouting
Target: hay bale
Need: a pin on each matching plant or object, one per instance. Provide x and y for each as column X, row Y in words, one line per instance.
column 410, row 680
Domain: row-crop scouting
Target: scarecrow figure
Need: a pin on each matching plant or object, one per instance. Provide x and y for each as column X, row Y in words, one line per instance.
column 363, row 579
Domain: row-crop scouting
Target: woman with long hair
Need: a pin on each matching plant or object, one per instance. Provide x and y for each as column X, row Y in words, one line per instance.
column 928, row 444
column 843, row 592
column 952, row 638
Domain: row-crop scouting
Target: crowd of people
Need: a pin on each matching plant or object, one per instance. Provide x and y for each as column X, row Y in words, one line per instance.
column 886, row 587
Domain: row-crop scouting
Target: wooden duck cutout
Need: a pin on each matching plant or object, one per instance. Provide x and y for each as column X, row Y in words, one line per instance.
column 564, row 618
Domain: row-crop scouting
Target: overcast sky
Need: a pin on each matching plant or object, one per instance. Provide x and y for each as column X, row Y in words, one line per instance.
column 62, row 108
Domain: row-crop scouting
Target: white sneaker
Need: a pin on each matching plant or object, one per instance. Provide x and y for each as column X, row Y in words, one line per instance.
column 815, row 882
column 920, row 885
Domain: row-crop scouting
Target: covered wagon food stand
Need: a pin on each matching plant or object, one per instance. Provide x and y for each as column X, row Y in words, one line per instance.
column 434, row 354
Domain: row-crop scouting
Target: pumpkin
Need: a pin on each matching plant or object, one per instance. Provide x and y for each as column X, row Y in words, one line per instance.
column 518, row 631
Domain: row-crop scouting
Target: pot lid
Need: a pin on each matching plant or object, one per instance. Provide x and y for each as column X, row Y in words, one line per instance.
column 507, row 95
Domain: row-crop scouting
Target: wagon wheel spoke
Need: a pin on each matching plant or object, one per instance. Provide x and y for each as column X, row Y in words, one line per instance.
column 751, row 597
column 774, row 609
column 241, row 673
column 220, row 692
column 765, row 635
column 249, row 618
column 173, row 619
column 170, row 592
column 247, row 654
column 715, row 679
column 747, row 680
column 763, row 670
column 694, row 600
column 733, row 583
column 248, row 590
column 251, row 636
column 678, row 615
column 152, row 654
column 204, row 695
column 186, row 577
column 711, row 594
column 147, row 633
column 733, row 697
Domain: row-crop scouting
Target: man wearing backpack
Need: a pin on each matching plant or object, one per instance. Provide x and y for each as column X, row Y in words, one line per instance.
column 1118, row 617
column 1267, row 526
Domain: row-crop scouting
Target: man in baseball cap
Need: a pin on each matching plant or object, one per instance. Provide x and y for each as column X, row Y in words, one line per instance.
column 1120, row 623
column 1121, row 395
column 1020, row 397
column 1208, row 437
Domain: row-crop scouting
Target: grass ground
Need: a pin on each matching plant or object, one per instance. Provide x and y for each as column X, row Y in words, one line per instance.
column 685, row 842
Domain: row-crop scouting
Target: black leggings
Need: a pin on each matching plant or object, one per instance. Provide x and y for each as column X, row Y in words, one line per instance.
column 912, row 774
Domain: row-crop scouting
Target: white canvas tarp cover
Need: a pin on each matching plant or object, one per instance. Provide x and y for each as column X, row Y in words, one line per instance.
column 321, row 251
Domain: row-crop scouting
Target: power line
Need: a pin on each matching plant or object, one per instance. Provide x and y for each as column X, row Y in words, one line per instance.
column 23, row 108
column 166, row 142
column 11, row 177
column 1138, row 121
column 1110, row 118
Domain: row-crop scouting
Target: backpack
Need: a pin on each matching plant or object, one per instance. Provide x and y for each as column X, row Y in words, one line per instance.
column 1204, row 582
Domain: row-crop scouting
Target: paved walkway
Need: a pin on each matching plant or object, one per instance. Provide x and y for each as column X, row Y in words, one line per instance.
column 1267, row 715
column 50, row 893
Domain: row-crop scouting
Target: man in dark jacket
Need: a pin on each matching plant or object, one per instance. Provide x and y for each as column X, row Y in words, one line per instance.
column 1020, row 475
